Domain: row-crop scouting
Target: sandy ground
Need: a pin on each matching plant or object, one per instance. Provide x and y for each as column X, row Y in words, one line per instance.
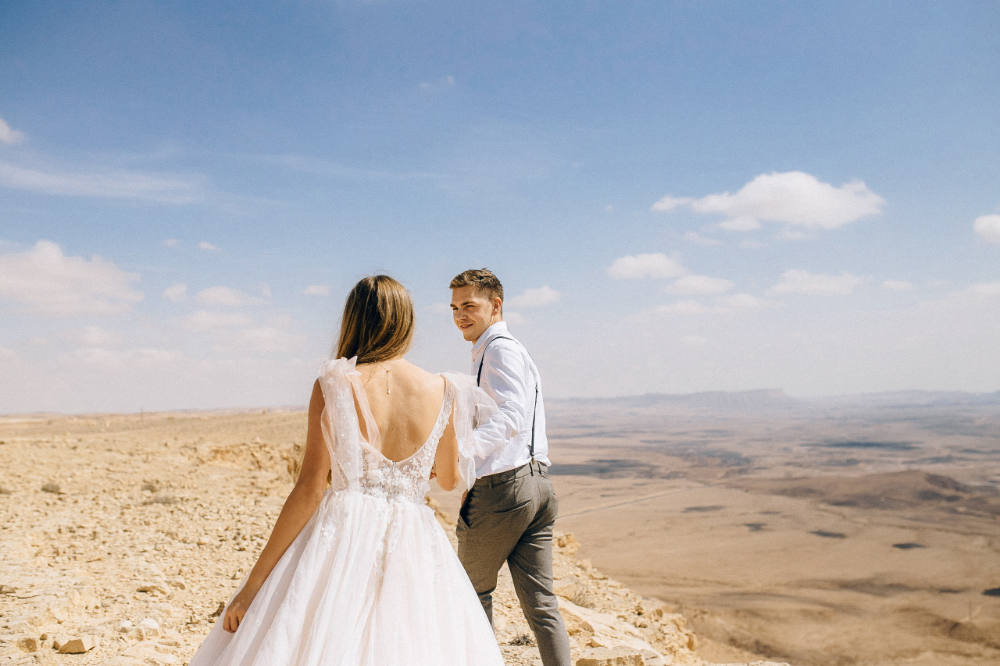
column 122, row 536
column 812, row 536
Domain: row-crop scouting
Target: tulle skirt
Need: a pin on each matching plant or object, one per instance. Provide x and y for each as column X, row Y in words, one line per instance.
column 366, row 582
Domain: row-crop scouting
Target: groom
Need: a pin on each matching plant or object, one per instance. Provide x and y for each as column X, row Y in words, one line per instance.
column 509, row 512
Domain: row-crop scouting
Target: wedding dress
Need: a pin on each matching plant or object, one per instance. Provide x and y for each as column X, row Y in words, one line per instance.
column 371, row 579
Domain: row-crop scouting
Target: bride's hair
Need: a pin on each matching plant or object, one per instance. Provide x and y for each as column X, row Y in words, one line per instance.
column 378, row 320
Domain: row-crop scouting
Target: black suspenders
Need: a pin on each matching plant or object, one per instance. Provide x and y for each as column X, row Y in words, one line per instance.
column 534, row 409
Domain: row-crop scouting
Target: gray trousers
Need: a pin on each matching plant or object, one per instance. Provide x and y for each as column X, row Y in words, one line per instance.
column 509, row 517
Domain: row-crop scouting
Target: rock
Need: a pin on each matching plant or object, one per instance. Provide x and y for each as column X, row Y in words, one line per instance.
column 7, row 589
column 28, row 643
column 77, row 645
column 148, row 628
column 567, row 543
column 125, row 626
column 51, row 488
column 152, row 587
column 612, row 657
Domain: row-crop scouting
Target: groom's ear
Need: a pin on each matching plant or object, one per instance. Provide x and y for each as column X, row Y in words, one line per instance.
column 497, row 305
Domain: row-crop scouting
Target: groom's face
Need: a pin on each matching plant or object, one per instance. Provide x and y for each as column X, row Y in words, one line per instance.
column 473, row 312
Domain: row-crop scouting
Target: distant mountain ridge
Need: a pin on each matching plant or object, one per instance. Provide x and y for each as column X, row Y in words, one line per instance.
column 774, row 399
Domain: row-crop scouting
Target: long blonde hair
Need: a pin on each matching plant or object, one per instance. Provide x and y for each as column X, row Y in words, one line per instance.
column 378, row 320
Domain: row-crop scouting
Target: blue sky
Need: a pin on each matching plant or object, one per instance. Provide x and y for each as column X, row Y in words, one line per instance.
column 678, row 196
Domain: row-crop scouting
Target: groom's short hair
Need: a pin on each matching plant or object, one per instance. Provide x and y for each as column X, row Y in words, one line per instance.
column 482, row 279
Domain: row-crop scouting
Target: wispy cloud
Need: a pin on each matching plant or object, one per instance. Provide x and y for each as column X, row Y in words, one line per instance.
column 171, row 242
column 443, row 83
column 205, row 246
column 226, row 296
column 652, row 265
column 206, row 320
column 732, row 303
column 48, row 282
column 897, row 285
column 317, row 290
column 535, row 297
column 690, row 285
column 701, row 239
column 988, row 228
column 119, row 184
column 985, row 289
column 9, row 135
column 175, row 293
column 792, row 197
column 335, row 170
column 804, row 282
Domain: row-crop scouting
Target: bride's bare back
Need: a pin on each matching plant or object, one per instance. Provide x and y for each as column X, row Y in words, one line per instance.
column 405, row 401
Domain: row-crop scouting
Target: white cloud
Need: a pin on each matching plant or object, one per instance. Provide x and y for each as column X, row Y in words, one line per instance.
column 205, row 246
column 440, row 308
column 515, row 318
column 683, row 307
column 442, row 83
column 171, row 242
column 988, row 227
column 533, row 298
column 699, row 284
column 265, row 291
column 158, row 188
column 7, row 354
column 722, row 305
column 95, row 336
column 125, row 358
column 669, row 203
column 792, row 197
column 740, row 224
column 205, row 320
column 743, row 302
column 225, row 296
column 897, row 285
column 8, row 134
column 804, row 282
column 699, row 239
column 317, row 290
column 694, row 340
column 263, row 339
column 175, row 293
column 986, row 289
column 49, row 282
column 654, row 265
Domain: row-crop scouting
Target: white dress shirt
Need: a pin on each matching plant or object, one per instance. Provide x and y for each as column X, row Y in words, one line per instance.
column 509, row 377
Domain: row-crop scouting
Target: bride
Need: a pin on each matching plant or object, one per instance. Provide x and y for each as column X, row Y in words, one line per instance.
column 360, row 571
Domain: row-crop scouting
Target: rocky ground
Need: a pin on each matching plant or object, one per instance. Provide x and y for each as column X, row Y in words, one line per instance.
column 121, row 537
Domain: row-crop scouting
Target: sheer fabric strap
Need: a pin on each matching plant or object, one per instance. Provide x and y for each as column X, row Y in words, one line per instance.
column 371, row 428
column 472, row 406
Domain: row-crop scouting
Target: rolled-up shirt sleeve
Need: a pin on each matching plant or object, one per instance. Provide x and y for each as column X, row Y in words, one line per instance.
column 503, row 378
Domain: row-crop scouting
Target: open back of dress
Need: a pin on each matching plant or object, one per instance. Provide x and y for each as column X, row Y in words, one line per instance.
column 371, row 579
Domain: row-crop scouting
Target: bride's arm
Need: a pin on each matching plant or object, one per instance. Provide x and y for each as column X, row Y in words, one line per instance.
column 446, row 458
column 298, row 509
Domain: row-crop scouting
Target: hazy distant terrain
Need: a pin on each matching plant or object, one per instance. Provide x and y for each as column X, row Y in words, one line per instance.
column 860, row 529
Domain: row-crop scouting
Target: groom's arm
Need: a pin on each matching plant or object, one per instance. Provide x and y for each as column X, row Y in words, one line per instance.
column 503, row 378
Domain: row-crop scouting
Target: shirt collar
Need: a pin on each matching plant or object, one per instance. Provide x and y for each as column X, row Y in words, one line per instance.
column 494, row 331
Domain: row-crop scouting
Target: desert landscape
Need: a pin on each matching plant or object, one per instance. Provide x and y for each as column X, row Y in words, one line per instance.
column 699, row 529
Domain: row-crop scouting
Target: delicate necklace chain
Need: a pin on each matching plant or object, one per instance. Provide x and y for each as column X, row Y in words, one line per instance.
column 388, row 389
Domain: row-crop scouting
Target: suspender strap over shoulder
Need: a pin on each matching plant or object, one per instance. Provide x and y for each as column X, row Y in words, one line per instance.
column 534, row 409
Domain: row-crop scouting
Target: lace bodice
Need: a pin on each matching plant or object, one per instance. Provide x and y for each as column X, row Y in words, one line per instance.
column 357, row 465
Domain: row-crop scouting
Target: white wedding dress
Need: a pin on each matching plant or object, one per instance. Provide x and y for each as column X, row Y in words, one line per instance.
column 371, row 579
